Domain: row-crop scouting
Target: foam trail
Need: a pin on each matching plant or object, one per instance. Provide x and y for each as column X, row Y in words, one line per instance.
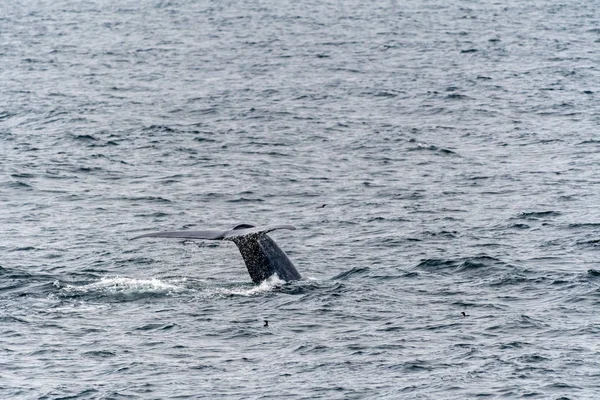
column 115, row 285
column 265, row 286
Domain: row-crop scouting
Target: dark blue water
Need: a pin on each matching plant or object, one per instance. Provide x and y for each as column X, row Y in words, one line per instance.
column 437, row 157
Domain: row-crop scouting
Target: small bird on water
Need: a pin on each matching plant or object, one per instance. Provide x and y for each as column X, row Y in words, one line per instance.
column 266, row 323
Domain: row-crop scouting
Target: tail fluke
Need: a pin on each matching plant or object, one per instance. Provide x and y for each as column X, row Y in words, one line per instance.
column 261, row 254
column 206, row 235
column 215, row 234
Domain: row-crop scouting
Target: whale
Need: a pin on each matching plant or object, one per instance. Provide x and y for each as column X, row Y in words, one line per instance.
column 262, row 256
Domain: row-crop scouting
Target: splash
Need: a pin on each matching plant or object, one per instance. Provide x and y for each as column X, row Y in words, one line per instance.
column 123, row 285
column 273, row 282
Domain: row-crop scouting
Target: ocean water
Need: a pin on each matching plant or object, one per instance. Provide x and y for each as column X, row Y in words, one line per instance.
column 437, row 157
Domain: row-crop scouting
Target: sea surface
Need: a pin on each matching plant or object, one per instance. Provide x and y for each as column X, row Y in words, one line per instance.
column 437, row 157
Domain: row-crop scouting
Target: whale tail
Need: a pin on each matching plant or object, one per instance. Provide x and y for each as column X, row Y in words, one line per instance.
column 262, row 256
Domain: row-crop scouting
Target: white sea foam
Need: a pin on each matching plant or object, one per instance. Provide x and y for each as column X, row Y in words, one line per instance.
column 267, row 285
column 119, row 284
